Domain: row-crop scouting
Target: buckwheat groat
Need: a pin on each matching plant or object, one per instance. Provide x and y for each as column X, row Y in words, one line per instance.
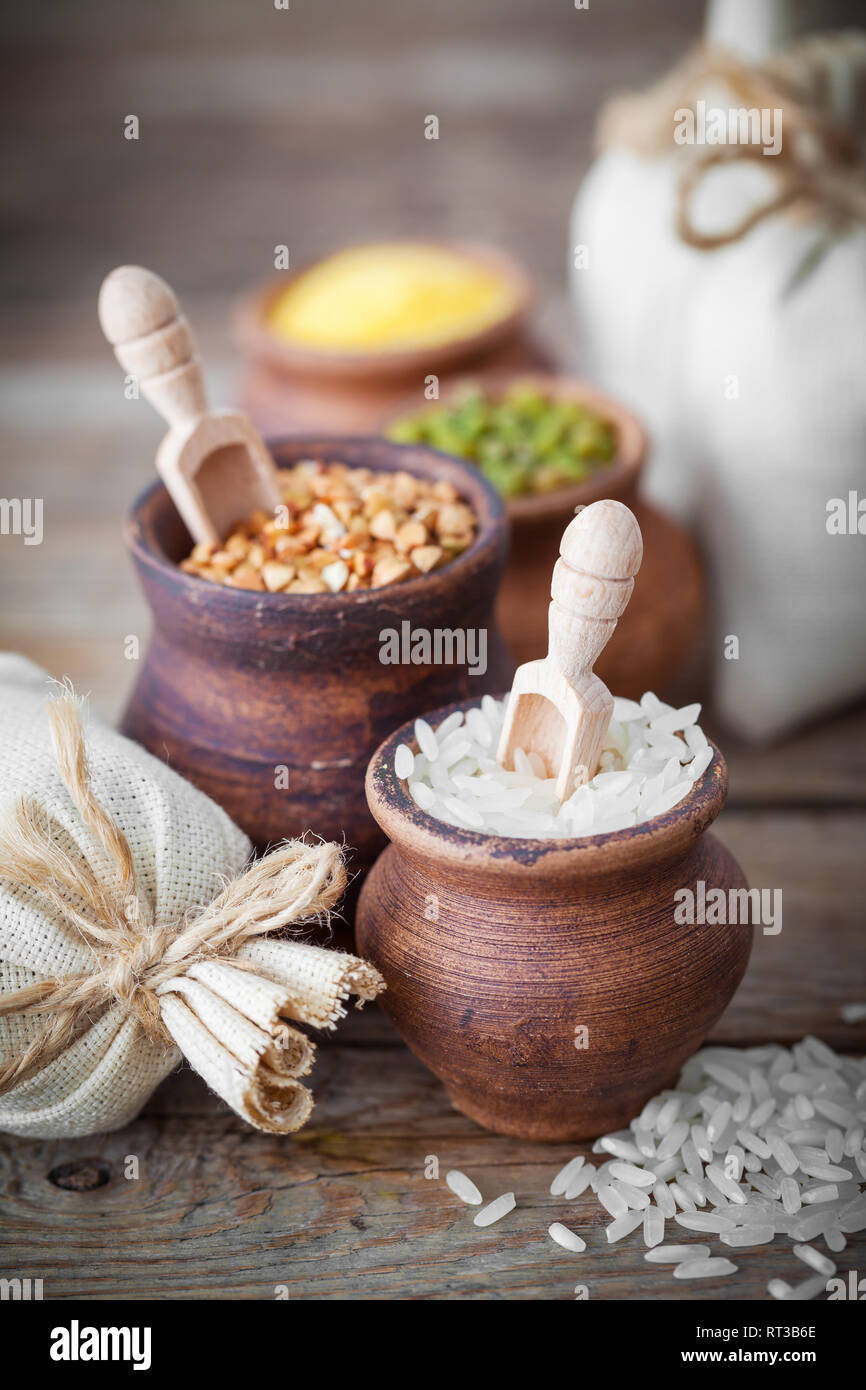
column 340, row 528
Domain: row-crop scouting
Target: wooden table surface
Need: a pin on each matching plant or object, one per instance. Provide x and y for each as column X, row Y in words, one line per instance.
column 254, row 134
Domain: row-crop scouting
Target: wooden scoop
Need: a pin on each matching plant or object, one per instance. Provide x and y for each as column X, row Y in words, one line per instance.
column 213, row 463
column 558, row 708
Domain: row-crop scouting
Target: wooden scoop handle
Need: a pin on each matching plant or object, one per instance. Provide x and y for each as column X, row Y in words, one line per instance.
column 599, row 555
column 140, row 316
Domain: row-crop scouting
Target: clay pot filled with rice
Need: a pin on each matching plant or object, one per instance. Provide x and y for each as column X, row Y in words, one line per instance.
column 538, row 957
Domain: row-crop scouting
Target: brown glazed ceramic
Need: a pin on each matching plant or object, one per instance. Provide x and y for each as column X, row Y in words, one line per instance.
column 495, row 951
column 237, row 684
column 661, row 625
column 292, row 388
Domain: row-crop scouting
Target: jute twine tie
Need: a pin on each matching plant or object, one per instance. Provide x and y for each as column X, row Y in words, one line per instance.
column 134, row 956
column 818, row 165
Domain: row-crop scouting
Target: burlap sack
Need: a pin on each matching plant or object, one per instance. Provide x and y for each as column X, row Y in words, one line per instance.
column 131, row 936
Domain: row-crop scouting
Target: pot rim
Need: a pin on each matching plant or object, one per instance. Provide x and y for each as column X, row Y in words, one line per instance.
column 617, row 478
column 261, row 345
column 417, row 833
column 140, row 538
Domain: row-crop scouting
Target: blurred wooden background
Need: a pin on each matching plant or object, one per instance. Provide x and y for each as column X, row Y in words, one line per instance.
column 306, row 127
column 257, row 127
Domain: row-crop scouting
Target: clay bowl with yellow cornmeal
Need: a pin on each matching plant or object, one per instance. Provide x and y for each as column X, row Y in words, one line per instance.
column 336, row 344
column 272, row 703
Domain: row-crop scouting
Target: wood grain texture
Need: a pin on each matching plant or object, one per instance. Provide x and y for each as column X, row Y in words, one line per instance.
column 342, row 1211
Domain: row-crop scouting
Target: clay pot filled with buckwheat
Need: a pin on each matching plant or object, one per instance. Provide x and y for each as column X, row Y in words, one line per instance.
column 285, row 653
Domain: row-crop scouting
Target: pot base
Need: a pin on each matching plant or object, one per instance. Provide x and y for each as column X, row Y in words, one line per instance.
column 551, row 1129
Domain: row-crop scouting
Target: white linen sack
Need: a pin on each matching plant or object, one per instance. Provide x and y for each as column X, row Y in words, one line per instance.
column 131, row 936
column 746, row 361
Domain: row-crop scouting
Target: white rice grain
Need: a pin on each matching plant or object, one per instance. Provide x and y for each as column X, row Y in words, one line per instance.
column 682, row 1199
column 827, row 1192
column 671, row 1142
column 676, row 1254
column 624, row 1225
column 630, row 1173
column 580, row 1182
column 565, row 1175
column 704, row 1221
column 745, row 1236
column 427, row 741
column 463, row 1187
column 496, row 1209
column 777, row 1288
column 653, row 1227
column 696, row 1189
column 423, row 796
column 612, row 1201
column 569, row 1240
column 719, row 1121
column 727, row 1077
column 620, row 1148
column 783, row 1154
column 665, row 1202
column 812, row 1257
column 636, row 1198
column 701, row 1141
column 726, row 1185
column 705, row 1269
column 668, row 1114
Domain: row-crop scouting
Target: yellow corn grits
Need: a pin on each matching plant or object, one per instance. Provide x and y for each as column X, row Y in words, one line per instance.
column 390, row 296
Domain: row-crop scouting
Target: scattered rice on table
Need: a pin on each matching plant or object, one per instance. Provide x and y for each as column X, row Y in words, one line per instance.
column 766, row 1141
column 754, row 1128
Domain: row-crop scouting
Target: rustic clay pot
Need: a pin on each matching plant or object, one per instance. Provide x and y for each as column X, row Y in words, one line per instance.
column 495, row 951
column 236, row 684
column 661, row 626
column 292, row 388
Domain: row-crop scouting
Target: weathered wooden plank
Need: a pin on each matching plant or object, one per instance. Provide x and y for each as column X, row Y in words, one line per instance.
column 798, row 980
column 344, row 1210
column 824, row 765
